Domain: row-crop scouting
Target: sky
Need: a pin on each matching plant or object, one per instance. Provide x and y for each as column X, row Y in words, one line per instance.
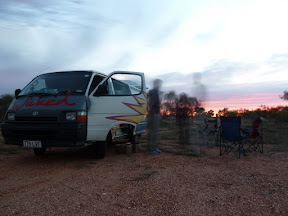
column 239, row 47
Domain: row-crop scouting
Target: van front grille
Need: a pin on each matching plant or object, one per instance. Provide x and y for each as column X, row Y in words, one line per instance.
column 36, row 119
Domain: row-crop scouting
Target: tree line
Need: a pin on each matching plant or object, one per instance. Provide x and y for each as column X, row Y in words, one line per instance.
column 5, row 101
column 181, row 105
column 279, row 113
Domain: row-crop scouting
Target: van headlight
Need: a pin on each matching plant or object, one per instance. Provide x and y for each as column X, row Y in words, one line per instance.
column 81, row 116
column 71, row 116
column 11, row 116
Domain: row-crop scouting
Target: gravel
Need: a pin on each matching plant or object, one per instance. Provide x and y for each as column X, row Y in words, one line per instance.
column 71, row 182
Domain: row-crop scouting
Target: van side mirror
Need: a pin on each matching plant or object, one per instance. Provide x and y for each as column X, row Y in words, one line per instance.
column 17, row 92
column 102, row 90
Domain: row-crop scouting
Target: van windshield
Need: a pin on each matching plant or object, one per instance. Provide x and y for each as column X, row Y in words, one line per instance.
column 58, row 83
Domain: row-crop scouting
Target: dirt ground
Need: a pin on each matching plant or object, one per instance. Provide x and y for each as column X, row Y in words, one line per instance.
column 72, row 182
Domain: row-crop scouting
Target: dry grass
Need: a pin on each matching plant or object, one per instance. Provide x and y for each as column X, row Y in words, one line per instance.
column 275, row 135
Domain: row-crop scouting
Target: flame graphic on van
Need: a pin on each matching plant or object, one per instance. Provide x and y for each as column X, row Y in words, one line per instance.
column 140, row 108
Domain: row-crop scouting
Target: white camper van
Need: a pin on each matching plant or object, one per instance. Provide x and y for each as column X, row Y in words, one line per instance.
column 74, row 108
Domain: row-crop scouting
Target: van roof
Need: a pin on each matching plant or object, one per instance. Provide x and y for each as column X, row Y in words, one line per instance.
column 78, row 71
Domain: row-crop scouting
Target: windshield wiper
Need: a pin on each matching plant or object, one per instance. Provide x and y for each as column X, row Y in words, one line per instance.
column 70, row 92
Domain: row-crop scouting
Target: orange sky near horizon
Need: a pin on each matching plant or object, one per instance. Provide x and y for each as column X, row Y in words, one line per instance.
column 252, row 101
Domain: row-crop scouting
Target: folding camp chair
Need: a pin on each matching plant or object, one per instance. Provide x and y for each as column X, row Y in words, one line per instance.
column 254, row 135
column 209, row 132
column 230, row 137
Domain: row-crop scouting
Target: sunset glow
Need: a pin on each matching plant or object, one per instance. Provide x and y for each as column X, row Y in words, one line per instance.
column 250, row 102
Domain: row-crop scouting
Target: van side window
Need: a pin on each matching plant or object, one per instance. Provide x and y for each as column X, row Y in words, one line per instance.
column 96, row 80
column 121, row 88
column 126, row 84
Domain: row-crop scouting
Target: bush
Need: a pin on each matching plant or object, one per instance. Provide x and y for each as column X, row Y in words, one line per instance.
column 5, row 101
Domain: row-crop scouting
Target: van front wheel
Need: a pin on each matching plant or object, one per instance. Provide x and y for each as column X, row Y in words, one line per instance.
column 99, row 149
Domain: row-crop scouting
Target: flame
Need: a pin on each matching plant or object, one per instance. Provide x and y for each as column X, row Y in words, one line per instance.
column 140, row 108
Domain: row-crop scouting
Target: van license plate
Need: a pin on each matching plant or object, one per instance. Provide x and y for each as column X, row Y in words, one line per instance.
column 32, row 144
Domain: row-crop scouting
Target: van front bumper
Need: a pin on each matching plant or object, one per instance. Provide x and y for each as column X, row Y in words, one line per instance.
column 70, row 134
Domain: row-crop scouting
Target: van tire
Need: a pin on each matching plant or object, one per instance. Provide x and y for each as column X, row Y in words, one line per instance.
column 136, row 139
column 100, row 149
column 39, row 151
column 109, row 141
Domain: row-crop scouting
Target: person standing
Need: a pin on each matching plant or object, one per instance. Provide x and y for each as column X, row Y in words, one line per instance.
column 199, row 89
column 200, row 93
column 154, row 102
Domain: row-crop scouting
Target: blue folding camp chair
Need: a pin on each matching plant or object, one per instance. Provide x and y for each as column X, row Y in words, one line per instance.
column 230, row 137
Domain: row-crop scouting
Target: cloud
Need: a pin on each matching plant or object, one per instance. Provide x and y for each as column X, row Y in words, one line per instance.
column 258, row 82
column 44, row 36
column 167, row 39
